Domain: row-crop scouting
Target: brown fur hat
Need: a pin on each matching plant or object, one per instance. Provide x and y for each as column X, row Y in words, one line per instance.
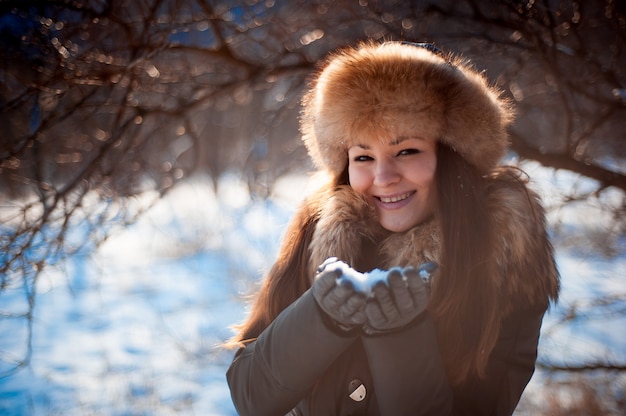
column 380, row 89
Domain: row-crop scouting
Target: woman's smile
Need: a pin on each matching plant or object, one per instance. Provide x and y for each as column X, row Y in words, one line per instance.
column 395, row 201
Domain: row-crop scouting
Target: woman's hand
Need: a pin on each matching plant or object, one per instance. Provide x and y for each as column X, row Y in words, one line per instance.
column 399, row 302
column 338, row 298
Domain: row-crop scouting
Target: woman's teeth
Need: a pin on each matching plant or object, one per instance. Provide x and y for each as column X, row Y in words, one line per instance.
column 394, row 198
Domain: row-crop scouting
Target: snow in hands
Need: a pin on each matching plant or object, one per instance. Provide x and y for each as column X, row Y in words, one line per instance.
column 364, row 282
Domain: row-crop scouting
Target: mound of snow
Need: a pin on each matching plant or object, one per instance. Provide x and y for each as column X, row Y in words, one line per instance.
column 364, row 282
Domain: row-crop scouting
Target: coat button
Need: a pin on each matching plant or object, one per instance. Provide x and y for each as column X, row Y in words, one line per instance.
column 357, row 390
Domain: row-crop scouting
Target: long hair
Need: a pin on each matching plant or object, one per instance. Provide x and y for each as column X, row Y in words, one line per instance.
column 286, row 280
column 289, row 277
column 464, row 299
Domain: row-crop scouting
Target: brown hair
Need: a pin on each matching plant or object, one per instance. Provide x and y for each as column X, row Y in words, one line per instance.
column 464, row 299
column 289, row 277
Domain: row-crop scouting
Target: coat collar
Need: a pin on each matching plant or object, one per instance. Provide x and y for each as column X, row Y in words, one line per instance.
column 349, row 230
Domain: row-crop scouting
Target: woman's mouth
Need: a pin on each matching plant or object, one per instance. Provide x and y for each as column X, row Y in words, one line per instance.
column 392, row 199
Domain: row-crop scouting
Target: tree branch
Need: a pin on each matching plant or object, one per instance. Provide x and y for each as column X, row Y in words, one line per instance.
column 605, row 176
column 547, row 366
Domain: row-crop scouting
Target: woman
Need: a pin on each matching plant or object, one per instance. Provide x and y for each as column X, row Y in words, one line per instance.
column 410, row 141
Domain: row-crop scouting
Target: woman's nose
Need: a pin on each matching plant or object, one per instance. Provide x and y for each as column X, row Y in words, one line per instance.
column 386, row 173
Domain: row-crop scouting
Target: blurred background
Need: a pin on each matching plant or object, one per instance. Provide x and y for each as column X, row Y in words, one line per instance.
column 150, row 160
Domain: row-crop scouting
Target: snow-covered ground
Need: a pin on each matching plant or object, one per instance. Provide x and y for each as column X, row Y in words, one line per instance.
column 135, row 328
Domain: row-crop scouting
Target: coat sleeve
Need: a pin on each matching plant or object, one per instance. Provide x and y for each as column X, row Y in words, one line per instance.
column 272, row 374
column 408, row 372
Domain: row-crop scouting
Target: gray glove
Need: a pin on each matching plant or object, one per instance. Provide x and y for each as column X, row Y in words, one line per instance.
column 338, row 298
column 400, row 301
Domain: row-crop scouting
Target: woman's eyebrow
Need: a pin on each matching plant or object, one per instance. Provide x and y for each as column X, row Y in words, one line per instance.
column 398, row 140
column 401, row 139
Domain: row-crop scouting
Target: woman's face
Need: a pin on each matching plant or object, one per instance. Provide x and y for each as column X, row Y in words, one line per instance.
column 397, row 178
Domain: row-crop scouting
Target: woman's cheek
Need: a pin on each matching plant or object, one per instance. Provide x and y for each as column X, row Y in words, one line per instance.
column 357, row 179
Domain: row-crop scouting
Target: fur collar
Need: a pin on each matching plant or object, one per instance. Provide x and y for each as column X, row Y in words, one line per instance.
column 347, row 226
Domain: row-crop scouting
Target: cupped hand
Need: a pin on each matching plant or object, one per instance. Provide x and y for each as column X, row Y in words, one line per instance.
column 397, row 303
column 338, row 298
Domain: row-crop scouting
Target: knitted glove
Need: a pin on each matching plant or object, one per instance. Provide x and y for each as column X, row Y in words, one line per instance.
column 338, row 298
column 399, row 302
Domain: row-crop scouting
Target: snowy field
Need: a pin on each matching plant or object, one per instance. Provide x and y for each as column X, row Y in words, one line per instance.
column 135, row 328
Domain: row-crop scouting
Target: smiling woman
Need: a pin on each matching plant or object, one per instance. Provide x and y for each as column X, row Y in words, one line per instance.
column 410, row 140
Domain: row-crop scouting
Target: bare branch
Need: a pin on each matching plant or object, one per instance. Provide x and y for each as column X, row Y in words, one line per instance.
column 604, row 176
column 581, row 368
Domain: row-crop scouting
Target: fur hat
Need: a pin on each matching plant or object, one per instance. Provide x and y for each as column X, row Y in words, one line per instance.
column 381, row 90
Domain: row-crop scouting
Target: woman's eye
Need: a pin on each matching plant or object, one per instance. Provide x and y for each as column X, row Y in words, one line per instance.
column 362, row 158
column 406, row 152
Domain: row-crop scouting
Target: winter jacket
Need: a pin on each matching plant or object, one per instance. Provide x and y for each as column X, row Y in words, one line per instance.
column 303, row 365
column 301, row 362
